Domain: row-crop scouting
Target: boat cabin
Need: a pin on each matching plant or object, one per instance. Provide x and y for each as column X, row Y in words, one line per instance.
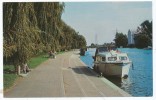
column 103, row 50
column 111, row 57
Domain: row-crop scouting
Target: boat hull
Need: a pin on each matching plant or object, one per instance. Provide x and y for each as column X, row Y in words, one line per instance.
column 113, row 69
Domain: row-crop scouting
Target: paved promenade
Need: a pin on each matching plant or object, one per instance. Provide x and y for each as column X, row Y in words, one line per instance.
column 65, row 76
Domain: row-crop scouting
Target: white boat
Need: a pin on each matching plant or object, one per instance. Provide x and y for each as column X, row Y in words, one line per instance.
column 111, row 62
column 148, row 48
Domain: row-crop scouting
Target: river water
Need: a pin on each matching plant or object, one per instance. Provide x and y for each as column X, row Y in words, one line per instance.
column 140, row 80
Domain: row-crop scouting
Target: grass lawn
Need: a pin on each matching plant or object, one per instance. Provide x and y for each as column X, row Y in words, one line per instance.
column 9, row 80
column 35, row 61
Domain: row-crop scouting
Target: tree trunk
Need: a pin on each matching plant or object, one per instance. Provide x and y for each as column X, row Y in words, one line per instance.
column 18, row 70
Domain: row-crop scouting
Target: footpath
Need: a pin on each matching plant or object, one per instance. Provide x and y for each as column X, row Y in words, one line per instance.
column 65, row 76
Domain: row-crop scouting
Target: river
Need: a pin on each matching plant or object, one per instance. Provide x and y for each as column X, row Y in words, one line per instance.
column 140, row 80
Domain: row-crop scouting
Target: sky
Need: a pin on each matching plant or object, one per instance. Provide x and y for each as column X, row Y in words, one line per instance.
column 103, row 19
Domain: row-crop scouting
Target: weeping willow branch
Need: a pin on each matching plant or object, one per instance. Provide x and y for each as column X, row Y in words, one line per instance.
column 31, row 28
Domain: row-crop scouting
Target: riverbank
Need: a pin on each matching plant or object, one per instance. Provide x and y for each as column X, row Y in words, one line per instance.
column 140, row 80
column 65, row 76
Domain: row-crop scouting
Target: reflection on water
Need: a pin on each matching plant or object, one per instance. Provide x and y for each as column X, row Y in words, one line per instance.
column 140, row 80
column 115, row 80
column 124, row 84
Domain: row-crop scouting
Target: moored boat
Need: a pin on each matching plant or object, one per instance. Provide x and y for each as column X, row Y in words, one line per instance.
column 148, row 48
column 108, row 61
column 82, row 51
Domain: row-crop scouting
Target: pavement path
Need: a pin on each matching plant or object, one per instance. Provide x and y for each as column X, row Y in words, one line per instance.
column 65, row 76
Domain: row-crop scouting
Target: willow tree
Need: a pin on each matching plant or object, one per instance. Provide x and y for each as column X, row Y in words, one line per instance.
column 21, row 34
column 49, row 21
column 67, row 36
column 81, row 42
column 30, row 28
column 57, row 11
column 71, row 38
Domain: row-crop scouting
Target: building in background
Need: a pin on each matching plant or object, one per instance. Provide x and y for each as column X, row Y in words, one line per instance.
column 130, row 37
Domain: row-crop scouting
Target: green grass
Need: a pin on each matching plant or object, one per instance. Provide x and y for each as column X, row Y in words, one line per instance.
column 8, row 68
column 35, row 61
column 9, row 80
column 9, row 76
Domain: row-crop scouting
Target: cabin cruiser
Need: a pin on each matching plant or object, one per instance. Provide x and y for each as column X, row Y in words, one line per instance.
column 108, row 61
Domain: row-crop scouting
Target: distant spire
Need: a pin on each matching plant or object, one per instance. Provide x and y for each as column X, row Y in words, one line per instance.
column 116, row 30
column 96, row 41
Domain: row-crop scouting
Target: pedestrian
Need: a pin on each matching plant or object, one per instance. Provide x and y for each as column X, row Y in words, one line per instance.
column 50, row 54
column 25, row 68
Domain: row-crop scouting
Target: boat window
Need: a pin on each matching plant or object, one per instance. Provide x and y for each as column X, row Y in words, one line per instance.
column 123, row 58
column 113, row 48
column 103, row 49
column 103, row 59
column 112, row 58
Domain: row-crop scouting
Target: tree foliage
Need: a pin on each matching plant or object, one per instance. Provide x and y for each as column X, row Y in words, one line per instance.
column 143, row 38
column 20, row 33
column 120, row 40
column 145, row 28
column 32, row 28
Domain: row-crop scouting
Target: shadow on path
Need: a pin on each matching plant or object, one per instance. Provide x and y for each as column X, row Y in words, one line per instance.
column 84, row 70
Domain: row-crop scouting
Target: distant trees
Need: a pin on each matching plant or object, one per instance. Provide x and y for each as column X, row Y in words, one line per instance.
column 143, row 38
column 93, row 45
column 120, row 40
column 32, row 28
column 145, row 28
